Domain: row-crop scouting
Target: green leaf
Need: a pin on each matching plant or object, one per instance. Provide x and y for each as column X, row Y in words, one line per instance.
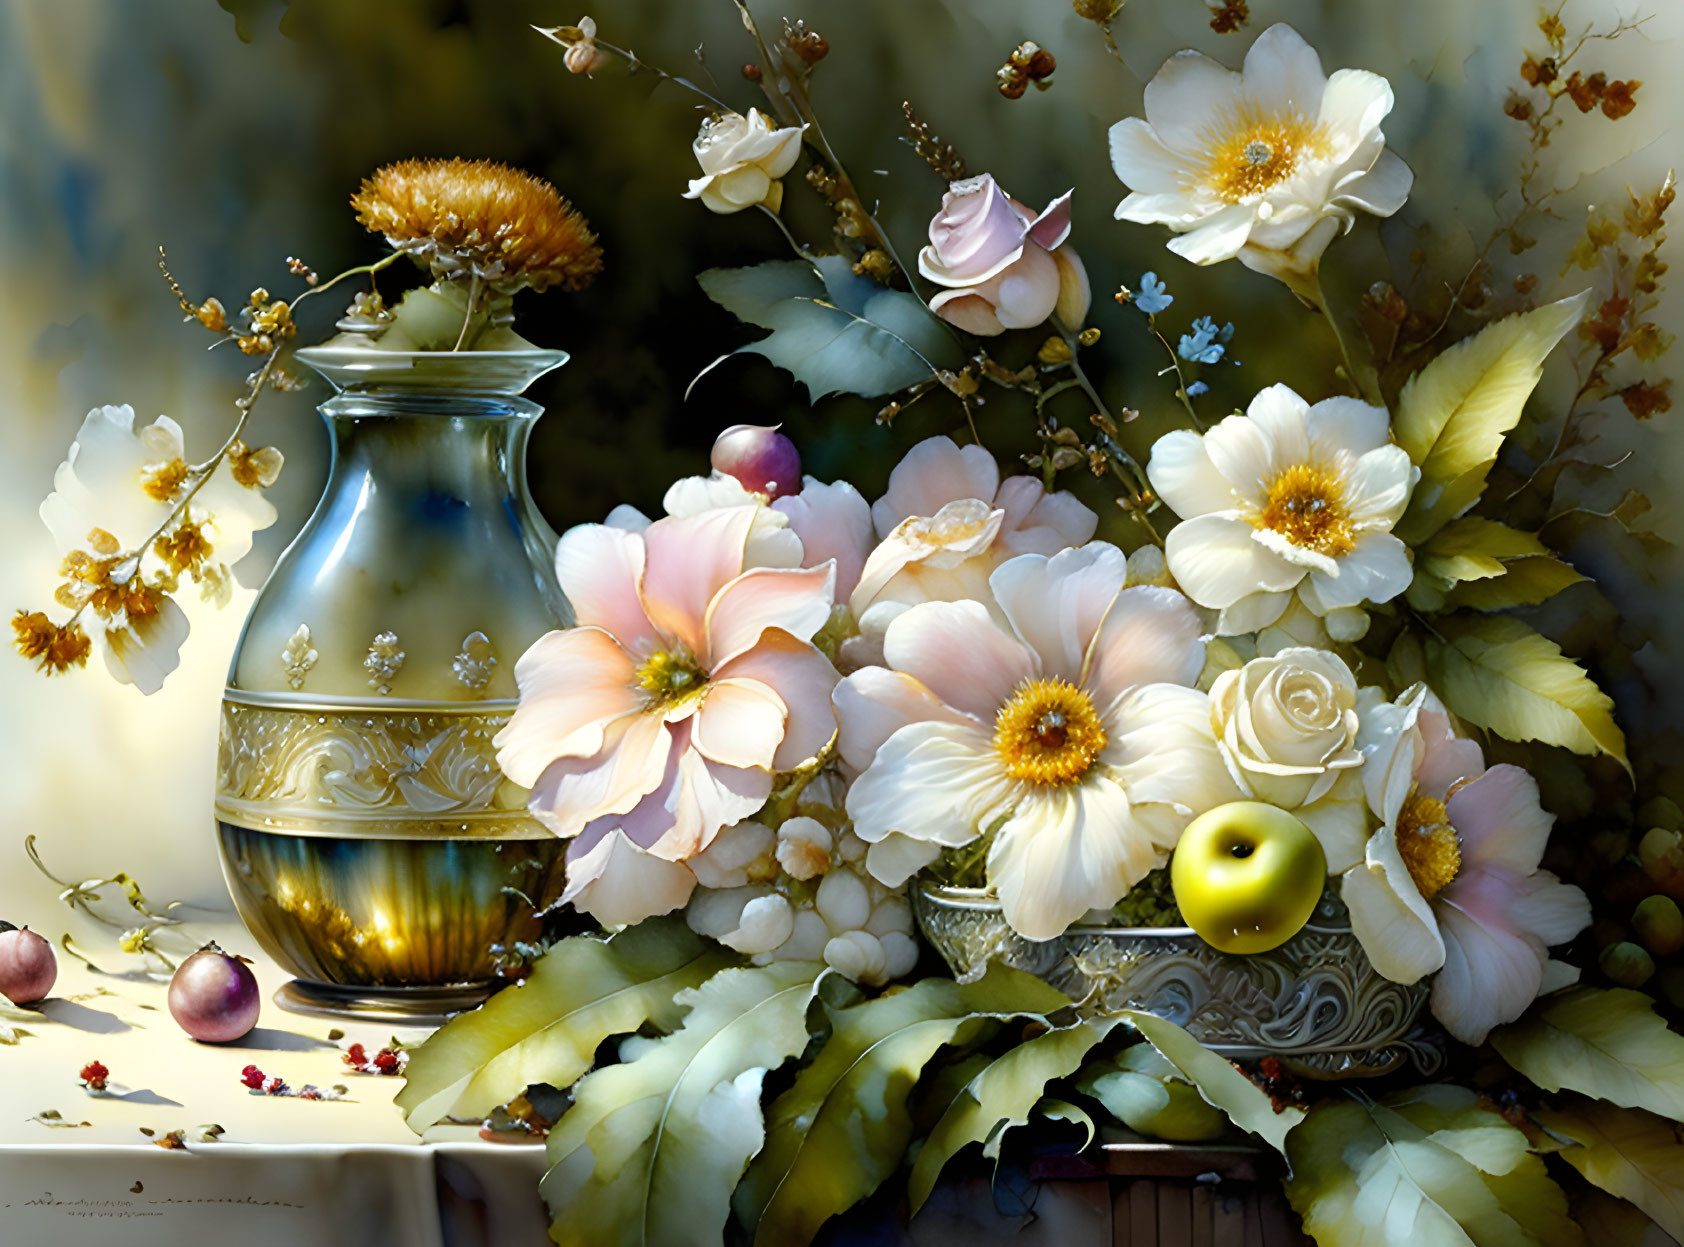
column 1628, row 1153
column 1426, row 1169
column 547, row 1030
column 1150, row 1096
column 1601, row 1042
column 833, row 330
column 1054, row 1109
column 843, row 1126
column 1479, row 563
column 1453, row 415
column 652, row 1148
column 1246, row 1104
column 1001, row 1095
column 1498, row 673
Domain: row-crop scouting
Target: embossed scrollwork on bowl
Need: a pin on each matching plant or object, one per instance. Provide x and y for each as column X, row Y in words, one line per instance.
column 1316, row 1002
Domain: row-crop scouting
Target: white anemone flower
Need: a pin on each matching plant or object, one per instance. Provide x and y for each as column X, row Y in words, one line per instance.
column 1287, row 499
column 1267, row 164
column 1069, row 733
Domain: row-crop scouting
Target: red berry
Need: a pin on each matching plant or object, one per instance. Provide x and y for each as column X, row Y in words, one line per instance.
column 28, row 968
column 762, row 460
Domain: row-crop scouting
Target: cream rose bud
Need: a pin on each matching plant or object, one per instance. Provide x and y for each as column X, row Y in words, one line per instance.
column 1003, row 266
column 1287, row 725
column 742, row 159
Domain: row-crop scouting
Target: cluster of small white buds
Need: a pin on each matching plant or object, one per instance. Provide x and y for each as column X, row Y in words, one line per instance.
column 801, row 893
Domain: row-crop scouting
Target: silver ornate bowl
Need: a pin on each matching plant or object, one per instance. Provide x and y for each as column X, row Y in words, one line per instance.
column 1315, row 1003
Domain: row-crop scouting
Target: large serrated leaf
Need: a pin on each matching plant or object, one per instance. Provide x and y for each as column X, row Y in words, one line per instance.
column 842, row 1127
column 1246, row 1104
column 1453, row 415
column 547, row 1030
column 1001, row 1095
column 651, row 1149
column 1600, row 1042
column 832, row 329
column 1498, row 673
column 1626, row 1152
column 1428, row 1168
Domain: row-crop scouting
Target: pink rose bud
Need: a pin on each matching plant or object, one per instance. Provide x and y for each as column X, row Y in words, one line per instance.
column 1004, row 266
column 761, row 459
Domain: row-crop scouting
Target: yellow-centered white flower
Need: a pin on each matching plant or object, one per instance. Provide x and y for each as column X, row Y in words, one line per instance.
column 1286, row 499
column 1267, row 164
column 1070, row 733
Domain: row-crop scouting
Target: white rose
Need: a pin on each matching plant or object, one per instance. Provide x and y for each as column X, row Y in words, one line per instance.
column 1287, row 728
column 742, row 159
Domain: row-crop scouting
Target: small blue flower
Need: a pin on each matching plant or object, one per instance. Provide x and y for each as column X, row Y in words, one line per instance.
column 1151, row 297
column 1197, row 388
column 1206, row 344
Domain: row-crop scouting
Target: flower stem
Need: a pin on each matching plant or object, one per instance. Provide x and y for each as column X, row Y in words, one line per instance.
column 1138, row 490
column 1363, row 378
column 468, row 315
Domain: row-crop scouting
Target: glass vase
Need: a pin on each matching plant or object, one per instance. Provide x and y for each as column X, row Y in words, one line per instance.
column 371, row 844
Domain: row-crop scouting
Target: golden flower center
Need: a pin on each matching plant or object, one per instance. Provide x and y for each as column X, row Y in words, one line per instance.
column 1428, row 844
column 1306, row 505
column 1252, row 153
column 671, row 677
column 162, row 480
column 1048, row 733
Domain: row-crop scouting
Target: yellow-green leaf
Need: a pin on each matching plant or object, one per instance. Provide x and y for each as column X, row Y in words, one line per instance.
column 843, row 1127
column 1601, row 1042
column 1427, row 1168
column 651, row 1148
column 1001, row 1095
column 1626, row 1152
column 1453, row 415
column 547, row 1030
column 1479, row 563
column 1498, row 673
column 1246, row 1104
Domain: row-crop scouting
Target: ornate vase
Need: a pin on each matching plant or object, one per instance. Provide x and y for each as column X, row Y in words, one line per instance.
column 1315, row 1003
column 372, row 845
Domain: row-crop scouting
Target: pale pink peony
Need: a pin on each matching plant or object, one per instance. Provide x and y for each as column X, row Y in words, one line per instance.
column 664, row 715
column 1069, row 732
column 946, row 522
column 1003, row 266
column 1451, row 882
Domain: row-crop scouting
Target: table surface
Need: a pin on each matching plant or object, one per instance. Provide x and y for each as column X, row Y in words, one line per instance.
column 349, row 1173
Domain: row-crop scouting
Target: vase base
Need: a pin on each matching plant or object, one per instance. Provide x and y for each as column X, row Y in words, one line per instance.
column 402, row 1006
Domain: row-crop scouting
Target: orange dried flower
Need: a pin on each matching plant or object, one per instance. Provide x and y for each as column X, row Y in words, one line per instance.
column 1609, row 324
column 1586, row 92
column 1230, row 17
column 461, row 217
column 1618, row 100
column 1644, row 400
column 1539, row 73
column 53, row 648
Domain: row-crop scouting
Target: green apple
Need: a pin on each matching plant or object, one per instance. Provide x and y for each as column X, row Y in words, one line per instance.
column 1247, row 876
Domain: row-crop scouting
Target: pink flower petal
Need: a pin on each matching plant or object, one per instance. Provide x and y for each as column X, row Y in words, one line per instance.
column 833, row 522
column 1037, row 522
column 599, row 568
column 960, row 654
column 707, row 798
column 1052, row 227
column 1492, row 970
column 739, row 723
column 571, row 792
column 1500, row 820
column 618, row 883
column 572, row 684
column 874, row 703
column 1151, row 635
column 1445, row 757
column 803, row 680
column 968, row 310
column 795, row 600
column 689, row 559
column 1057, row 605
column 933, row 473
